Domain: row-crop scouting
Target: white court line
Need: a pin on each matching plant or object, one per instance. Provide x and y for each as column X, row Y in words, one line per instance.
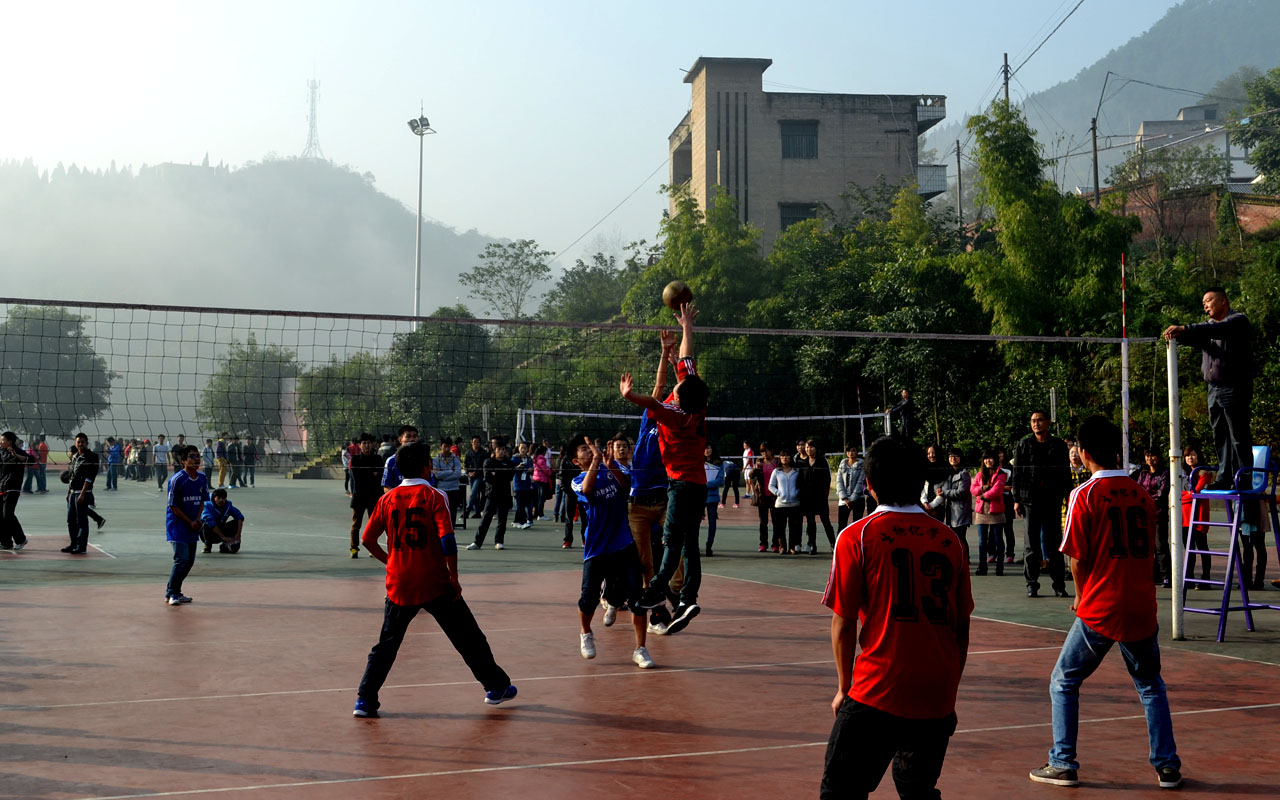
column 527, row 679
column 100, row 549
column 616, row 760
column 1017, row 624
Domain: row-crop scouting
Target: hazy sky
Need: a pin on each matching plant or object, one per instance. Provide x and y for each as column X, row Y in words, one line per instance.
column 548, row 113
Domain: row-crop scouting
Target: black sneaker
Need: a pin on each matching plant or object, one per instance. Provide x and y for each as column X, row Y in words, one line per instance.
column 101, row 521
column 652, row 598
column 1169, row 777
column 1058, row 777
column 1060, row 593
column 1033, row 591
column 683, row 616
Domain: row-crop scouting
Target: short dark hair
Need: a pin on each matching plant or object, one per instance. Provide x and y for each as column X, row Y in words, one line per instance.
column 366, row 437
column 1100, row 438
column 692, row 394
column 575, row 441
column 82, row 435
column 405, row 429
column 895, row 468
column 1216, row 290
column 9, row 436
column 218, row 493
column 955, row 451
column 412, row 458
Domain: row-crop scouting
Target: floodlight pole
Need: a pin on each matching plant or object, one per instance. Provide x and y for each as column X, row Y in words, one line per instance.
column 1124, row 369
column 420, row 127
column 1176, row 545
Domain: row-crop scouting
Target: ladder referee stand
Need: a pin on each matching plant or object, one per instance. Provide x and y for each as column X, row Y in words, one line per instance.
column 1261, row 480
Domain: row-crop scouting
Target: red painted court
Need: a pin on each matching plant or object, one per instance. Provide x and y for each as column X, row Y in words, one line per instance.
column 247, row 693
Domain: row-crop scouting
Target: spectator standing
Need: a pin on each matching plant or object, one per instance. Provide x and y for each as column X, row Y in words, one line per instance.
column 499, row 470
column 474, row 465
column 42, row 475
column 815, row 495
column 851, row 488
column 29, row 483
column 522, row 484
column 1042, row 481
column 13, row 463
column 988, row 494
column 783, row 485
column 953, row 500
column 1154, row 478
column 732, row 478
column 748, row 462
column 761, row 496
column 366, row 488
column 220, row 456
column 162, row 462
column 207, row 460
column 541, row 480
column 115, row 460
column 902, row 416
column 714, row 467
column 235, row 457
column 250, row 460
column 84, row 470
column 447, row 469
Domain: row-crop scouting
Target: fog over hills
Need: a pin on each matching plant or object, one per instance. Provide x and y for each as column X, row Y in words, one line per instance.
column 294, row 234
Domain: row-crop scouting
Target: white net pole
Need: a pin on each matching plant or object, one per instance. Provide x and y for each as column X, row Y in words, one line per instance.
column 1176, row 545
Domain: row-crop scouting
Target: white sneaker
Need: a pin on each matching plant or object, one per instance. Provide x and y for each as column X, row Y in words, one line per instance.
column 18, row 546
column 641, row 659
column 499, row 546
column 173, row 600
column 544, row 518
column 610, row 614
column 473, row 546
column 588, row 645
column 658, row 628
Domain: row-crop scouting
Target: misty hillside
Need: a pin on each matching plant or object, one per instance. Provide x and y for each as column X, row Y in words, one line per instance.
column 295, row 234
column 1195, row 45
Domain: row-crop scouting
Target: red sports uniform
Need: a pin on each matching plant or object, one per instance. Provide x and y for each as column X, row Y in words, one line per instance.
column 682, row 437
column 1111, row 524
column 906, row 577
column 415, row 516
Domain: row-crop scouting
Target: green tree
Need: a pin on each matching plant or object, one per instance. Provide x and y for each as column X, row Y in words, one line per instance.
column 51, row 379
column 506, row 276
column 342, row 399
column 1258, row 131
column 429, row 369
column 1230, row 93
column 591, row 291
column 244, row 394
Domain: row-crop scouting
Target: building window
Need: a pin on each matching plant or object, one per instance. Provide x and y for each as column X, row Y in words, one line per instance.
column 800, row 139
column 796, row 212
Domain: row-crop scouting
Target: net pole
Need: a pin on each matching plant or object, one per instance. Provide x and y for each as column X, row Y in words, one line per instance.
column 1176, row 545
column 1124, row 368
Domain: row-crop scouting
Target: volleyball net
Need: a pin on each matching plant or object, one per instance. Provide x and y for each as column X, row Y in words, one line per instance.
column 303, row 384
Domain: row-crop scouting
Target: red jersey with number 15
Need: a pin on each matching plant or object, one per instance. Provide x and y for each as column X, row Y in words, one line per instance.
column 1111, row 530
column 415, row 517
column 906, row 578
column 682, row 437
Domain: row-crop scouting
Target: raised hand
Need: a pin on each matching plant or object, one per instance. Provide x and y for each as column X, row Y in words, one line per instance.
column 687, row 314
column 624, row 384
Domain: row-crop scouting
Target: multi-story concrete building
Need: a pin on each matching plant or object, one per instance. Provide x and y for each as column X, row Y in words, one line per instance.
column 1198, row 126
column 781, row 155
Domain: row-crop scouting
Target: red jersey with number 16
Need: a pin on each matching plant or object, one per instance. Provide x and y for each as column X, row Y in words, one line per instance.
column 682, row 437
column 906, row 577
column 415, row 516
column 1111, row 530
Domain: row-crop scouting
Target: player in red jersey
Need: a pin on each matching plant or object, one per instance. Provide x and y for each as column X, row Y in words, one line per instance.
column 1110, row 522
column 902, row 577
column 422, row 574
column 682, row 441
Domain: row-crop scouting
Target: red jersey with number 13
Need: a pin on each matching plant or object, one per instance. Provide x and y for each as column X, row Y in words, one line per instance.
column 416, row 517
column 682, row 437
column 1111, row 530
column 906, row 578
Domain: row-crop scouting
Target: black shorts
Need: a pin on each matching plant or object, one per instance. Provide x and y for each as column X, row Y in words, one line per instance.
column 621, row 574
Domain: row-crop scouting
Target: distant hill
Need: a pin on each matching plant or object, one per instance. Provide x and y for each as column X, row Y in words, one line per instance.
column 294, row 234
column 1196, row 44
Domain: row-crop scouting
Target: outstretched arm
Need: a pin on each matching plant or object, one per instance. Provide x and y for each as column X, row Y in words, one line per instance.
column 627, row 390
column 687, row 314
column 668, row 339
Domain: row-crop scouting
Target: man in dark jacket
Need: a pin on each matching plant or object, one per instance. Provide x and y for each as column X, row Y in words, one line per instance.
column 1226, row 342
column 13, row 464
column 499, row 470
column 903, row 416
column 1042, row 480
column 474, row 465
column 366, row 488
column 84, row 469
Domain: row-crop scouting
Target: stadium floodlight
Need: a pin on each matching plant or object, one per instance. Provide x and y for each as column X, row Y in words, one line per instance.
column 420, row 127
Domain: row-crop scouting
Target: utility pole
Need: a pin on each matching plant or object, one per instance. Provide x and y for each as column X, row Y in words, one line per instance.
column 959, row 190
column 1097, row 190
column 1005, row 71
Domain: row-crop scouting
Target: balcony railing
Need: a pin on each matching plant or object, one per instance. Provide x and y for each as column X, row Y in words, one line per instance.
column 930, row 110
column 931, row 180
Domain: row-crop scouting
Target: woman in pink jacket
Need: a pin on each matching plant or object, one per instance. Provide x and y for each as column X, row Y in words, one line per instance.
column 988, row 512
column 541, row 479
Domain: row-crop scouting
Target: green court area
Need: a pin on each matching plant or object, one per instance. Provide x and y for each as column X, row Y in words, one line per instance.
column 300, row 529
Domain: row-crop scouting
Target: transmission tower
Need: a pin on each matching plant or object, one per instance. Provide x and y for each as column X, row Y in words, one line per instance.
column 312, row 150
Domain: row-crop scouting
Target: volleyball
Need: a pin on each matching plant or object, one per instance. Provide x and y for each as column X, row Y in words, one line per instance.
column 677, row 294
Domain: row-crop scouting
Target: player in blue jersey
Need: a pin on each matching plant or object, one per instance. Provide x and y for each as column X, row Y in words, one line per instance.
column 188, row 492
column 608, row 551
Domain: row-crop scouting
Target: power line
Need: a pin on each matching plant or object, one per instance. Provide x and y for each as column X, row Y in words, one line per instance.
column 1047, row 38
column 600, row 221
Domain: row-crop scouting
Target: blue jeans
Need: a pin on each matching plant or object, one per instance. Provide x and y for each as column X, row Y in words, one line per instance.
column 42, row 477
column 685, row 503
column 113, row 476
column 184, row 557
column 1081, row 654
column 78, row 520
column 1043, row 537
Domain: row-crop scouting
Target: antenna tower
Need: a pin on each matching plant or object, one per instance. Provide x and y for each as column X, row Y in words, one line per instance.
column 312, row 150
